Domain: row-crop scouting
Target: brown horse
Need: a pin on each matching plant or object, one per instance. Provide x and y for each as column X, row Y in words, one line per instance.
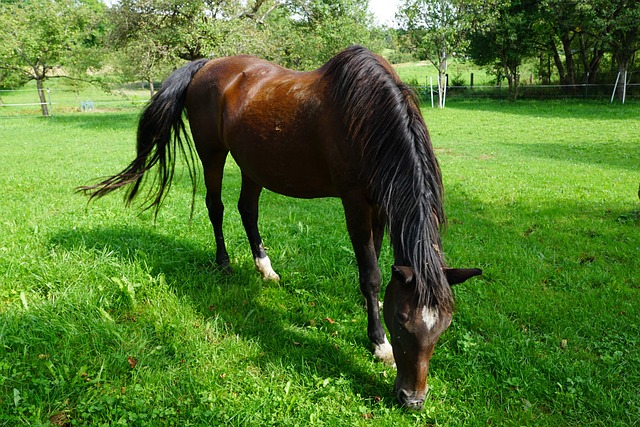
column 350, row 129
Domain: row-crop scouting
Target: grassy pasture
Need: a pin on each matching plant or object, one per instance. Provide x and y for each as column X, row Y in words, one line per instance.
column 107, row 319
column 420, row 72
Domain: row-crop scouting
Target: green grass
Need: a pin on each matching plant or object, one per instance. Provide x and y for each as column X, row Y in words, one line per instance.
column 107, row 319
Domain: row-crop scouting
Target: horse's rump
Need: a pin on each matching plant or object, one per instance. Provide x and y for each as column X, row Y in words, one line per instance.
column 281, row 126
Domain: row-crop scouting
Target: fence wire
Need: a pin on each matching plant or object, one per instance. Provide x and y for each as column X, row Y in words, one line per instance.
column 26, row 103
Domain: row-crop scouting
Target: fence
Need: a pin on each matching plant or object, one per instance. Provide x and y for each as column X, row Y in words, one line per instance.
column 19, row 102
column 26, row 102
column 528, row 90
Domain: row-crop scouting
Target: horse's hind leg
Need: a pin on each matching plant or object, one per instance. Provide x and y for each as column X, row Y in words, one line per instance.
column 248, row 208
column 213, row 171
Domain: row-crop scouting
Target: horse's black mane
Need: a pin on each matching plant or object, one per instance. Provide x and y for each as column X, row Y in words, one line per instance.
column 383, row 116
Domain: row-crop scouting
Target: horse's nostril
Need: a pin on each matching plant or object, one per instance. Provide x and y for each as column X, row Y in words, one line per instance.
column 410, row 400
column 415, row 406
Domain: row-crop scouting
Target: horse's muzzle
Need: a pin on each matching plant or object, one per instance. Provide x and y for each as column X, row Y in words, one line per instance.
column 411, row 400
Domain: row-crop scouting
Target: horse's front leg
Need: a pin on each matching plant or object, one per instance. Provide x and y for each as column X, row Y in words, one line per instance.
column 248, row 208
column 361, row 226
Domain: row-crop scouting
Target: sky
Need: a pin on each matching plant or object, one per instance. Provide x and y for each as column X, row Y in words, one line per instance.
column 384, row 10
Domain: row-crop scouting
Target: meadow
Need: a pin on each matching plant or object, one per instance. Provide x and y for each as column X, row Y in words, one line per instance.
column 421, row 73
column 111, row 317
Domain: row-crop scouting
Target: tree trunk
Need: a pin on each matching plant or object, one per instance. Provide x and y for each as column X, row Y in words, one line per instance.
column 513, row 81
column 558, row 61
column 624, row 51
column 545, row 69
column 590, row 63
column 513, row 78
column 152, row 89
column 43, row 97
column 623, row 65
column 594, row 65
column 568, row 54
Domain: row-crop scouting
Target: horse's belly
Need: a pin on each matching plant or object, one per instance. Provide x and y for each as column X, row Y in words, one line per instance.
column 289, row 172
column 284, row 137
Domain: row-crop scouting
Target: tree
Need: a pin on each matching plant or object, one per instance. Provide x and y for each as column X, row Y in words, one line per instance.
column 321, row 28
column 572, row 34
column 578, row 35
column 154, row 36
column 436, row 29
column 188, row 29
column 624, row 35
column 142, row 34
column 503, row 38
column 49, row 38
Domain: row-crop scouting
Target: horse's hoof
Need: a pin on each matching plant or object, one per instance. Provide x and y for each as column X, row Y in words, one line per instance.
column 263, row 265
column 271, row 276
column 224, row 266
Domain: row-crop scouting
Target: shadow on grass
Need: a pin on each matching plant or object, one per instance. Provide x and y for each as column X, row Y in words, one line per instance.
column 620, row 155
column 236, row 299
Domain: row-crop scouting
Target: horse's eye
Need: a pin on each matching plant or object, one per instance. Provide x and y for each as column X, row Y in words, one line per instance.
column 402, row 317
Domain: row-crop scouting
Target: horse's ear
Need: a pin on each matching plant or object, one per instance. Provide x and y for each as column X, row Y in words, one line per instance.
column 459, row 275
column 402, row 274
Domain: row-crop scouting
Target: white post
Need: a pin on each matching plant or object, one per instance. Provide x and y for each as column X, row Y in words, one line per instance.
column 624, row 86
column 614, row 87
column 439, row 91
column 50, row 105
column 444, row 96
column 431, row 89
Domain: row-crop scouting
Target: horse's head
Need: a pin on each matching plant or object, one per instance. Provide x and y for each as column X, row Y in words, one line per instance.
column 414, row 331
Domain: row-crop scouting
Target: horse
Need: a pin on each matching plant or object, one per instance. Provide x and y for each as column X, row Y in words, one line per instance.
column 350, row 129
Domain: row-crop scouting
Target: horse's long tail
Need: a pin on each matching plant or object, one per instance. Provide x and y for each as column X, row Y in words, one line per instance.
column 161, row 134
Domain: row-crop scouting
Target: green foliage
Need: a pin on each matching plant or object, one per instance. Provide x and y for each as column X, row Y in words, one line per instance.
column 503, row 39
column 143, row 40
column 146, row 39
column 435, row 28
column 322, row 28
column 584, row 33
column 572, row 42
column 300, row 34
column 624, row 32
column 43, row 36
column 45, row 39
column 107, row 319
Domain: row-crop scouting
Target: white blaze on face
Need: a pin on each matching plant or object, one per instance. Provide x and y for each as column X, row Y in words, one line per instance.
column 429, row 316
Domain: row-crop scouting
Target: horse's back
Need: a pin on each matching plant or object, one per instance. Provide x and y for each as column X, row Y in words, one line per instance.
column 278, row 124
